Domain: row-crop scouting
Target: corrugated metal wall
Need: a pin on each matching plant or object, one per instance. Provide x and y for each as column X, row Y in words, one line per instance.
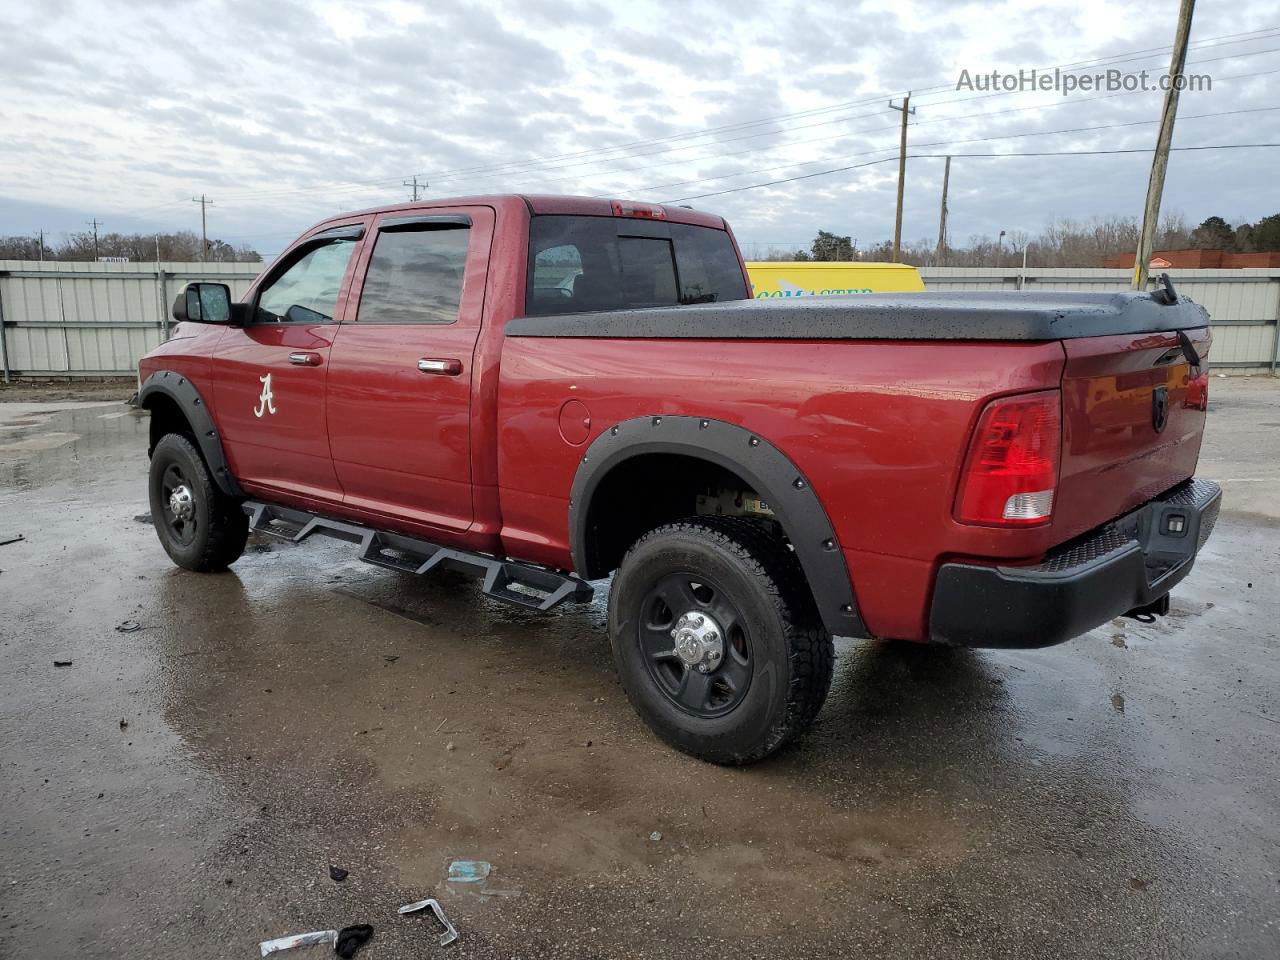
column 1243, row 304
column 96, row 319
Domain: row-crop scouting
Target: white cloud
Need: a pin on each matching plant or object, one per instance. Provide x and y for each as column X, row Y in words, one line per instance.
column 287, row 111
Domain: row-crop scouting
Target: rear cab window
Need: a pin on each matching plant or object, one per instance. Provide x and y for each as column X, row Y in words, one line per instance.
column 579, row 264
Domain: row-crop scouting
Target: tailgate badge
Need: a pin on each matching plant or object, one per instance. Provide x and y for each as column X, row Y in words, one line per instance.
column 1160, row 408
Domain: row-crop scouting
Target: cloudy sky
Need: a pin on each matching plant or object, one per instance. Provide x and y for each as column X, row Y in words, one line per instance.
column 285, row 111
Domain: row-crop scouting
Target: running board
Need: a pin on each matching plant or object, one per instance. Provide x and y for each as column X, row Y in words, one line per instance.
column 534, row 588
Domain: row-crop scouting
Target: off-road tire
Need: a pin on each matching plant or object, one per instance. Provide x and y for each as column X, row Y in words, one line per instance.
column 791, row 653
column 219, row 527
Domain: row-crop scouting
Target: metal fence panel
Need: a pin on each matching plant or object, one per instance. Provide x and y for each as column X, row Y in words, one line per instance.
column 1243, row 305
column 96, row 319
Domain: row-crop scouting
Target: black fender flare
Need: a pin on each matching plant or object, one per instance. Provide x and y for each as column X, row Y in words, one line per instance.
column 181, row 391
column 762, row 465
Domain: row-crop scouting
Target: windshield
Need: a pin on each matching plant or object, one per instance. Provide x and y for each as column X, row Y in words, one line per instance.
column 580, row 264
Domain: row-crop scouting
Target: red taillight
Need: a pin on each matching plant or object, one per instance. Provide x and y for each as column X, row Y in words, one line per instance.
column 644, row 211
column 1012, row 468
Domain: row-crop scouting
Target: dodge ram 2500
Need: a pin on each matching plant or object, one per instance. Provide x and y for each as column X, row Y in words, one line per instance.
column 548, row 391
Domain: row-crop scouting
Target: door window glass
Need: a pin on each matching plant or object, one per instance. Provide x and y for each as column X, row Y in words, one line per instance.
column 308, row 290
column 415, row 276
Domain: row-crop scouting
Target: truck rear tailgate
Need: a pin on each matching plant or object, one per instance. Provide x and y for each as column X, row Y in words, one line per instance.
column 1132, row 423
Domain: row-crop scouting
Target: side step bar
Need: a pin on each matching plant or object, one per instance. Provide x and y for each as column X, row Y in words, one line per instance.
column 522, row 584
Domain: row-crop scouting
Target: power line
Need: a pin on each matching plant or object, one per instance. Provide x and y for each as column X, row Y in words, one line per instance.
column 1059, row 102
column 1109, row 60
column 943, row 143
column 939, row 156
column 841, row 136
column 460, row 177
column 943, row 119
column 510, row 166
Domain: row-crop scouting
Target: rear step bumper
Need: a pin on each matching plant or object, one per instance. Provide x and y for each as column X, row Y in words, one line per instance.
column 534, row 588
column 1129, row 563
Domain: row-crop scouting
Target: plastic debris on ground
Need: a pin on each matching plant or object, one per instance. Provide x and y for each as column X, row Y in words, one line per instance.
column 268, row 947
column 473, row 876
column 337, row 874
column 352, row 938
column 469, row 871
column 450, row 933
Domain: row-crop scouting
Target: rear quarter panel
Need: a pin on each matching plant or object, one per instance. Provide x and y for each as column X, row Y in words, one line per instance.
column 878, row 428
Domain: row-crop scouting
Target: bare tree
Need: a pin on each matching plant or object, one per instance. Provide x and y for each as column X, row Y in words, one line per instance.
column 138, row 247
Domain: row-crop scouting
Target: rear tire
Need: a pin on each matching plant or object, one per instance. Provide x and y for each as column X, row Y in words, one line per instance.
column 200, row 527
column 725, row 595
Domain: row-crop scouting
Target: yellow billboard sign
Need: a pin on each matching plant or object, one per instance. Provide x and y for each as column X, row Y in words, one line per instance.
column 770, row 278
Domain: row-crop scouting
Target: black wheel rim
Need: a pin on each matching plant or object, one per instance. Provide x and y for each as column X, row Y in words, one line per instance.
column 721, row 689
column 181, row 530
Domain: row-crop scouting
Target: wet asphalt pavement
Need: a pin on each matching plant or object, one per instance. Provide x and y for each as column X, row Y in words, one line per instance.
column 181, row 788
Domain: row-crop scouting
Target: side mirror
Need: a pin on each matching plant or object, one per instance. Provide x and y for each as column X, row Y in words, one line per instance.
column 204, row 303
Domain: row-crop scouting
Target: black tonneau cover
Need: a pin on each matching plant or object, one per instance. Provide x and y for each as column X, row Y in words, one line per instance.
column 886, row 316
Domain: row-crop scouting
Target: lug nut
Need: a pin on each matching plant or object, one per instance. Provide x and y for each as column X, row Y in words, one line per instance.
column 699, row 622
column 702, row 668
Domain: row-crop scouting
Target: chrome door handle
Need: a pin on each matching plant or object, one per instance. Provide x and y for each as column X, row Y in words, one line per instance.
column 305, row 359
column 450, row 368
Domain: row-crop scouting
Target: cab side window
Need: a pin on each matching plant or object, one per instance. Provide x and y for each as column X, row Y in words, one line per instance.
column 415, row 276
column 308, row 290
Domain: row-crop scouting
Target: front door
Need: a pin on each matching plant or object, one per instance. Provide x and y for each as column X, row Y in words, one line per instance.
column 269, row 375
column 400, row 373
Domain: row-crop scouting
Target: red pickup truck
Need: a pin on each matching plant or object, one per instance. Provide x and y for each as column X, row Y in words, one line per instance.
column 551, row 390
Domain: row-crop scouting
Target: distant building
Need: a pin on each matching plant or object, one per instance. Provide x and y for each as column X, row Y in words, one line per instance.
column 1194, row 259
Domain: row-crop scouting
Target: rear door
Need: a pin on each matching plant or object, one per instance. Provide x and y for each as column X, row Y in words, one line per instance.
column 1132, row 423
column 269, row 375
column 400, row 374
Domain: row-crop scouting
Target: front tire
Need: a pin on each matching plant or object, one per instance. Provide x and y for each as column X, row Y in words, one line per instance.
column 716, row 639
column 200, row 527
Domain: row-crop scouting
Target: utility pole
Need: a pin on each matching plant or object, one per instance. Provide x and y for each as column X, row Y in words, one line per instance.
column 414, row 183
column 95, row 223
column 204, row 231
column 906, row 110
column 942, row 218
column 41, row 235
column 1160, row 163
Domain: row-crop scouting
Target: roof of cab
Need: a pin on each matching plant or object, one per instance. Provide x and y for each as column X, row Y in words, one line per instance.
column 544, row 204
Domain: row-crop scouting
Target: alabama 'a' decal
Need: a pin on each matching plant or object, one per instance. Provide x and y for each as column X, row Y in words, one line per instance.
column 266, row 402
